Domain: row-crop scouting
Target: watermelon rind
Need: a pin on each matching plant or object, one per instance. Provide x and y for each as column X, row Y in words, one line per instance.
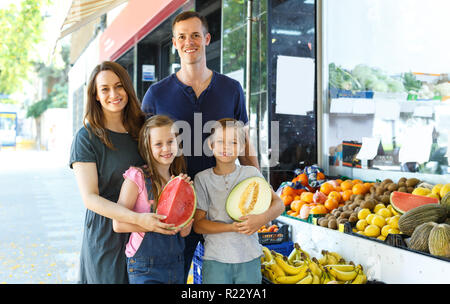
column 419, row 201
column 263, row 202
column 195, row 204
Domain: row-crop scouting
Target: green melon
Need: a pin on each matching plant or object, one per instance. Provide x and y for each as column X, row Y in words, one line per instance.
column 178, row 202
column 251, row 196
column 445, row 201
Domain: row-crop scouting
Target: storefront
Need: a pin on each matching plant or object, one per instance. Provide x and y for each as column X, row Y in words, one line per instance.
column 358, row 87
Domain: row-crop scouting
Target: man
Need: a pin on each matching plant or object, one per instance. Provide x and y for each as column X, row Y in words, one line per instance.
column 195, row 94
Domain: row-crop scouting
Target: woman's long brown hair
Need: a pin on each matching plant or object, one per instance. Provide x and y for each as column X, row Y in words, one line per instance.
column 178, row 165
column 132, row 115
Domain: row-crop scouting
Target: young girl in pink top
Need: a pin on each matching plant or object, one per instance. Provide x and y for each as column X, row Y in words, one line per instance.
column 154, row 256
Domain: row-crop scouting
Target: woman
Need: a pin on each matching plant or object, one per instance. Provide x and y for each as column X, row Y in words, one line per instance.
column 101, row 152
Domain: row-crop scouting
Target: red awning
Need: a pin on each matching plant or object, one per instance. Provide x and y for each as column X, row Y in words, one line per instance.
column 135, row 21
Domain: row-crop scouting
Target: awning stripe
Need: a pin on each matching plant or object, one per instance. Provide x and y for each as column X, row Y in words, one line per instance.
column 82, row 12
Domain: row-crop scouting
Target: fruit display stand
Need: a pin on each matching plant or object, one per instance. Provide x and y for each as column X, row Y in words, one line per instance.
column 381, row 262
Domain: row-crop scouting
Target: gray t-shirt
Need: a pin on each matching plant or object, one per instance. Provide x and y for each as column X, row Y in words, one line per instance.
column 212, row 192
column 102, row 257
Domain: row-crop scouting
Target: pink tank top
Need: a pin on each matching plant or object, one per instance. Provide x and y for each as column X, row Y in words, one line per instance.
column 142, row 206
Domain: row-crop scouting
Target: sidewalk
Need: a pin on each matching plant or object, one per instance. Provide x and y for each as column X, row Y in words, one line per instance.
column 41, row 218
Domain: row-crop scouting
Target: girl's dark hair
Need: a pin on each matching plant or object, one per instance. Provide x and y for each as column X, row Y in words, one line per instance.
column 145, row 149
column 132, row 115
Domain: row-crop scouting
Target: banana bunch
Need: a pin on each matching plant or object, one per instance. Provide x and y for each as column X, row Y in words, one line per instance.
column 300, row 268
column 346, row 273
column 329, row 257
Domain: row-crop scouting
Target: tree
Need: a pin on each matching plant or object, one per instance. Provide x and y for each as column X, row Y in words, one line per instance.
column 20, row 31
column 55, row 80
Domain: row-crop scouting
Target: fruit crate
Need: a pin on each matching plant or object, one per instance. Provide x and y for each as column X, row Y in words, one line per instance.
column 282, row 235
column 197, row 261
column 284, row 248
column 399, row 241
column 348, row 229
column 311, row 218
column 341, row 93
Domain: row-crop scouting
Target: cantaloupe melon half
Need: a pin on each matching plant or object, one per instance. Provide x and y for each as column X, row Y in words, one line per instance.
column 251, row 196
column 178, row 202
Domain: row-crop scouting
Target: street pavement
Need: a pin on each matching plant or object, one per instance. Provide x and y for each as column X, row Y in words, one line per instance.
column 41, row 218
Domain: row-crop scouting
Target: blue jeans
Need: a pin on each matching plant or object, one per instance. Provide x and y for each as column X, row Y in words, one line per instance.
column 146, row 270
column 214, row 272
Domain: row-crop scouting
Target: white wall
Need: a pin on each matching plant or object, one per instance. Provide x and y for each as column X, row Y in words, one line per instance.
column 394, row 35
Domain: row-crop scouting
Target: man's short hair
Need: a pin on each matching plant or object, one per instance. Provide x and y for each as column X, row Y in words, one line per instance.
column 191, row 14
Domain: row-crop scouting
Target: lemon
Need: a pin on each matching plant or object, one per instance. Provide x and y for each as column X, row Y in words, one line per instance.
column 363, row 213
column 372, row 231
column 434, row 195
column 360, row 232
column 385, row 229
column 437, row 189
column 369, row 218
column 381, row 237
column 393, row 231
column 378, row 220
column 444, row 190
column 361, row 224
column 390, row 208
column 378, row 207
column 394, row 221
column 421, row 191
column 384, row 212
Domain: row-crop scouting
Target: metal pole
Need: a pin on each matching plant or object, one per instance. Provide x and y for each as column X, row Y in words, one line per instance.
column 249, row 56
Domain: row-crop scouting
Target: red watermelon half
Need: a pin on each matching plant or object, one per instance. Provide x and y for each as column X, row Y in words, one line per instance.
column 403, row 202
column 178, row 202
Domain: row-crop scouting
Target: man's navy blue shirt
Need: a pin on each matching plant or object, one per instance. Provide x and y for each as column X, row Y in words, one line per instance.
column 223, row 98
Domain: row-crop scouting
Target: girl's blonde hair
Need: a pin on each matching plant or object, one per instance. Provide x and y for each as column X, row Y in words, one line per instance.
column 178, row 165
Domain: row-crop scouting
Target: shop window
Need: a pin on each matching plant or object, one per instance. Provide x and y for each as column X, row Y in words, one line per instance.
column 386, row 87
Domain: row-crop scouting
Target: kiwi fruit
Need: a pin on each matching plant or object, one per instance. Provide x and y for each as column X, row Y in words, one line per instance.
column 393, row 187
column 332, row 224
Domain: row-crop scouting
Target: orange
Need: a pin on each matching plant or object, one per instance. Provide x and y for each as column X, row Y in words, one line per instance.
column 299, row 191
column 289, row 191
column 335, row 195
column 297, row 198
column 326, row 188
column 339, row 181
column 346, row 195
column 359, row 189
column 307, row 197
column 294, row 214
column 319, row 209
column 368, row 186
column 338, row 189
column 288, row 199
column 346, row 185
column 296, row 205
column 320, row 176
column 303, row 178
column 331, row 204
column 357, row 181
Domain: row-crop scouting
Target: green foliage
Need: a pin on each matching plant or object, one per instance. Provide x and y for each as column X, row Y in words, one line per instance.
column 56, row 80
column 20, row 31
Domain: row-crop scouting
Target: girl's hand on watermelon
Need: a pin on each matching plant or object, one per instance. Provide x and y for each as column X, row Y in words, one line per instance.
column 152, row 222
column 185, row 177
